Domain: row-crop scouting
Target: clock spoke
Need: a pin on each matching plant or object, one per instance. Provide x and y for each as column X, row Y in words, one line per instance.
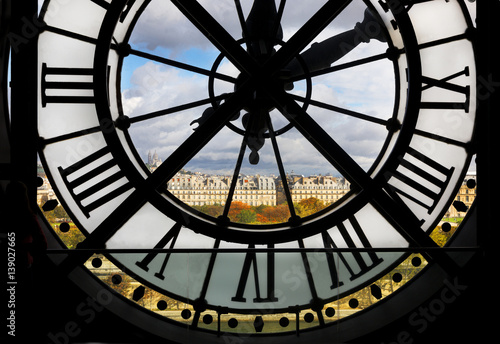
column 216, row 34
column 241, row 19
column 70, row 34
column 341, row 110
column 281, row 169
column 200, row 137
column 319, row 21
column 181, row 65
column 234, row 181
column 70, row 136
column 178, row 108
column 321, row 140
column 390, row 54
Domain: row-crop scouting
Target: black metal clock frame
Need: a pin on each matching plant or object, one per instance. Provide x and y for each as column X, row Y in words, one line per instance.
column 20, row 161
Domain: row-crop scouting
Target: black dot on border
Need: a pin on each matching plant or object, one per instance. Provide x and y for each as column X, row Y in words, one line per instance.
column 186, row 314
column 416, row 261
column 309, row 317
column 96, row 262
column 330, row 312
column 284, row 322
column 353, row 303
column 208, row 319
column 397, row 277
column 471, row 183
column 116, row 279
column 162, row 305
column 64, row 227
column 446, row 227
column 232, row 323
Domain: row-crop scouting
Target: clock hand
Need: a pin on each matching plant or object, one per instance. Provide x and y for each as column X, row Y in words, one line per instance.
column 214, row 32
column 322, row 55
column 256, row 126
column 263, row 28
column 252, row 72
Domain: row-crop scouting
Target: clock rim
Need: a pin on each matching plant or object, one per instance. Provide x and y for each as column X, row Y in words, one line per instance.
column 301, row 332
column 225, row 233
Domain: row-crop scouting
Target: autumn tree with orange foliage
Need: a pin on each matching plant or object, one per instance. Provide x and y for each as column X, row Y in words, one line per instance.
column 279, row 213
column 240, row 212
column 309, row 206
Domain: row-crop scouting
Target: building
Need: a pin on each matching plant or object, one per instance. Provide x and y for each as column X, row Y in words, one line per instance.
column 153, row 161
column 201, row 190
column 328, row 189
column 255, row 191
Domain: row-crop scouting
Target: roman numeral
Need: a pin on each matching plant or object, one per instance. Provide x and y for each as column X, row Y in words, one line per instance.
column 103, row 3
column 446, row 85
column 357, row 263
column 171, row 237
column 421, row 179
column 67, row 85
column 397, row 5
column 96, row 176
column 251, row 261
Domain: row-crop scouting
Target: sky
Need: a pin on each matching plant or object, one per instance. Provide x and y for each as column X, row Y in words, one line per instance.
column 148, row 86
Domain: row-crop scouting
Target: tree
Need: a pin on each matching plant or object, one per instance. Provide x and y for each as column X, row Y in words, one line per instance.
column 261, row 218
column 235, row 210
column 247, row 216
column 309, row 206
column 279, row 213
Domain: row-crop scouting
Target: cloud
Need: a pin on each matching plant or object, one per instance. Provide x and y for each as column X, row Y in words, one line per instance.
column 163, row 25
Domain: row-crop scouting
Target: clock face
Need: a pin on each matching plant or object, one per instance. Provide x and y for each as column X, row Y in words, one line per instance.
column 377, row 93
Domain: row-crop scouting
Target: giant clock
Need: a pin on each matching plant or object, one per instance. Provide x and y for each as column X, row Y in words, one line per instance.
column 265, row 81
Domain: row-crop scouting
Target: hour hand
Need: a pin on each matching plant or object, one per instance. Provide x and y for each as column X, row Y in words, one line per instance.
column 322, row 55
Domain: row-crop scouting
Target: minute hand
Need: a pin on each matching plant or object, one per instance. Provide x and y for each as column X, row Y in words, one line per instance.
column 322, row 55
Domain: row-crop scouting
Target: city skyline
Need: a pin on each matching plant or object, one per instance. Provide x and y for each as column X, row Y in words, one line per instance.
column 153, row 164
